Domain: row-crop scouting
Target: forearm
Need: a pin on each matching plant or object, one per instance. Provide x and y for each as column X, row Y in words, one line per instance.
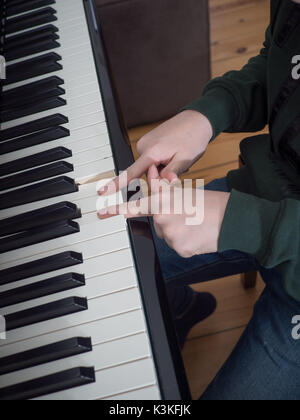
column 237, row 101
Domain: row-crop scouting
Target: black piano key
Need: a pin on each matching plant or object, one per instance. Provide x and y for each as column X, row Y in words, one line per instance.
column 38, row 267
column 42, row 313
column 37, row 192
column 38, row 235
column 31, row 109
column 40, row 137
column 44, row 216
column 34, row 126
column 24, row 37
column 40, row 289
column 35, row 175
column 30, row 20
column 26, row 6
column 32, row 67
column 31, row 72
column 29, row 103
column 45, row 354
column 41, row 60
column 49, row 384
column 34, row 48
column 52, row 155
column 30, row 91
column 28, row 38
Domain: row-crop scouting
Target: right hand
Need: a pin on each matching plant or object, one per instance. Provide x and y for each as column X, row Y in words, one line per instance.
column 177, row 145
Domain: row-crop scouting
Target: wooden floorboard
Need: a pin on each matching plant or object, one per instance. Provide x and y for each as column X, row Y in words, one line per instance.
column 237, row 34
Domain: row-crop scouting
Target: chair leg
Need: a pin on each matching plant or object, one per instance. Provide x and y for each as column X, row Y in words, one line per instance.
column 249, row 280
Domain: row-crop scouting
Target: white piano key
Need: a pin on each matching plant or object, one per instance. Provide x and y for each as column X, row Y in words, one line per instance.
column 86, row 68
column 97, row 286
column 100, row 308
column 64, row 50
column 92, row 290
column 103, row 356
column 93, row 169
column 79, row 157
column 109, row 262
column 94, row 234
column 82, row 96
column 73, row 115
column 148, row 393
column 87, row 191
column 58, row 7
column 115, row 317
column 78, row 84
column 91, row 130
column 111, row 382
column 85, row 169
column 83, row 88
column 77, row 147
column 78, row 26
column 100, row 331
column 104, row 266
column 84, row 100
column 69, row 35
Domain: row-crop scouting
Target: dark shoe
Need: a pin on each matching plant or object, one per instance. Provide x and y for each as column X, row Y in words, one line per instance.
column 202, row 305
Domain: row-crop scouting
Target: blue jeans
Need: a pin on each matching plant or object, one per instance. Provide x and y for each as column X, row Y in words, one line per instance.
column 265, row 364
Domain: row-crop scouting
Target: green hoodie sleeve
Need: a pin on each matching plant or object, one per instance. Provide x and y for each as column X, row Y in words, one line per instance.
column 237, row 101
column 267, row 230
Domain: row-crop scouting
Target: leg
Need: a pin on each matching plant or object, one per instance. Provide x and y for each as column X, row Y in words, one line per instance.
column 249, row 280
column 177, row 270
column 188, row 307
column 265, row 365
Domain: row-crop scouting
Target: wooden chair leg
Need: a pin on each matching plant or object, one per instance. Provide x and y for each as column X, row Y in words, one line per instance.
column 249, row 280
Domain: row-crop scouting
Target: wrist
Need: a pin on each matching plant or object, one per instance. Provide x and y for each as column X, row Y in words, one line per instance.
column 200, row 125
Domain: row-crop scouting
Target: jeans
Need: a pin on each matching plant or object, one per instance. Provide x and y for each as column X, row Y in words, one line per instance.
column 265, row 364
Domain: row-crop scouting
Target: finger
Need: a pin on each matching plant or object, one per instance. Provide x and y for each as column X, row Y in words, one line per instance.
column 153, row 173
column 173, row 167
column 171, row 177
column 133, row 172
column 153, row 176
column 140, row 208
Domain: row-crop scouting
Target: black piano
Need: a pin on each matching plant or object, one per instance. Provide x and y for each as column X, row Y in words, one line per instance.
column 83, row 301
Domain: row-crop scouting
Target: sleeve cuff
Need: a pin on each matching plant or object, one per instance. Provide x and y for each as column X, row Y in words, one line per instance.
column 219, row 108
column 248, row 225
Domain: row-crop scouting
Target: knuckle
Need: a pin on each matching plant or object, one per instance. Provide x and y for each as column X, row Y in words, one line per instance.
column 169, row 233
column 158, row 232
column 154, row 153
column 159, row 219
column 140, row 147
column 184, row 251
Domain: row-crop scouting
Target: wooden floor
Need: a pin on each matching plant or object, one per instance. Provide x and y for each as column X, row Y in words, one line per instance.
column 237, row 33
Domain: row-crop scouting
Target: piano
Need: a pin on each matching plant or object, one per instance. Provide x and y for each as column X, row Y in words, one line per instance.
column 83, row 301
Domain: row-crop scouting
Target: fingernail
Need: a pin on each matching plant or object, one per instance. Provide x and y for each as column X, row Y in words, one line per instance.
column 102, row 212
column 103, row 190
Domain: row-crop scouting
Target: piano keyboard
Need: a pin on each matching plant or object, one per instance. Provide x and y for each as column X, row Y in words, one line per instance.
column 69, row 293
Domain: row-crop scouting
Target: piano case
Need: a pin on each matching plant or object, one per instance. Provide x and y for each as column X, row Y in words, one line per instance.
column 158, row 53
column 26, row 371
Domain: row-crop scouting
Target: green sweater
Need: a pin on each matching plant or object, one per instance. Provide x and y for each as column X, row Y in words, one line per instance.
column 263, row 214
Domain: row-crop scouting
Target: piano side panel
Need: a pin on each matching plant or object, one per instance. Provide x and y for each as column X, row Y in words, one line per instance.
column 168, row 360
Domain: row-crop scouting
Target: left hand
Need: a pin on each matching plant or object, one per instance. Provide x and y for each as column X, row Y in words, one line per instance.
column 185, row 238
